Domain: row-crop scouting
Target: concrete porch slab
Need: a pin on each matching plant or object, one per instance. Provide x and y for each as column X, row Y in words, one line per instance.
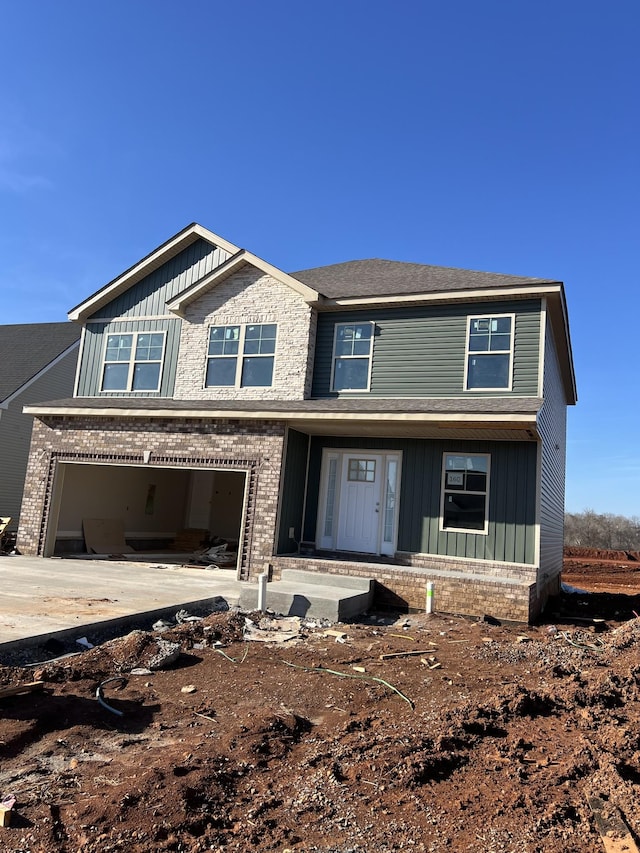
column 50, row 597
column 316, row 595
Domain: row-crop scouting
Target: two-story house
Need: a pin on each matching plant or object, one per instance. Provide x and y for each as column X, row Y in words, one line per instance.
column 372, row 418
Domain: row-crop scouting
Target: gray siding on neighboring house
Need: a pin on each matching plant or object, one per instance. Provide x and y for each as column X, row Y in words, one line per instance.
column 292, row 503
column 147, row 298
column 420, row 351
column 95, row 336
column 15, row 431
column 552, row 425
column 512, row 497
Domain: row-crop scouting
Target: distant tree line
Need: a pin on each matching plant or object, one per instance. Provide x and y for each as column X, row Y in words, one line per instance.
column 589, row 529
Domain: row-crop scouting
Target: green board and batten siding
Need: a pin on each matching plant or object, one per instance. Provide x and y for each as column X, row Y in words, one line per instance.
column 294, row 481
column 512, row 511
column 95, row 337
column 420, row 351
column 146, row 299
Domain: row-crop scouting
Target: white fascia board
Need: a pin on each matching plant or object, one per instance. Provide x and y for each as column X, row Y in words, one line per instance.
column 38, row 375
column 151, row 262
column 228, row 268
column 469, row 418
column 533, row 290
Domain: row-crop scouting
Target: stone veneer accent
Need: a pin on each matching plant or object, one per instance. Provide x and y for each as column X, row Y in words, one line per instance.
column 404, row 587
column 249, row 296
column 250, row 446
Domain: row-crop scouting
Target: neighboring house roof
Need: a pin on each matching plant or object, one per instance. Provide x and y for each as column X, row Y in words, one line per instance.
column 26, row 349
column 378, row 277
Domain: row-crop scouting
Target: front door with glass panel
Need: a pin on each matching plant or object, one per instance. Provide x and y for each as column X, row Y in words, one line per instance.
column 358, row 503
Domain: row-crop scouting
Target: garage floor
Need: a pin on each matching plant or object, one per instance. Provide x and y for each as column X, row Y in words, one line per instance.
column 71, row 598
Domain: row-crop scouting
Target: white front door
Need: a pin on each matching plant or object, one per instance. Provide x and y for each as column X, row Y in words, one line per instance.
column 360, row 494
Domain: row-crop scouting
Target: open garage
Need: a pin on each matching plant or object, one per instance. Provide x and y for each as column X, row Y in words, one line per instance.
column 150, row 510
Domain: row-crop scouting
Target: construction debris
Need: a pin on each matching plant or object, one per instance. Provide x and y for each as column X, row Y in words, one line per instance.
column 19, row 689
column 117, row 679
column 273, row 630
column 407, row 654
column 616, row 835
column 6, row 810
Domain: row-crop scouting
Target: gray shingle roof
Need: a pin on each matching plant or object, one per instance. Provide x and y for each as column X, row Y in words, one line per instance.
column 337, row 406
column 27, row 348
column 377, row 277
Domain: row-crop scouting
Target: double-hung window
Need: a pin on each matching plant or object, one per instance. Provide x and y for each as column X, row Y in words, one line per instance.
column 133, row 361
column 465, row 492
column 490, row 353
column 352, row 349
column 241, row 356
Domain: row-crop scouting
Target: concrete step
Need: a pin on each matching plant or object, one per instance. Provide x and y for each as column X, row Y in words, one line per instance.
column 326, row 579
column 313, row 595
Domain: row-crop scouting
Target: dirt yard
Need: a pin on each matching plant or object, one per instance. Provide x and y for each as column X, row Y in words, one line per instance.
column 475, row 736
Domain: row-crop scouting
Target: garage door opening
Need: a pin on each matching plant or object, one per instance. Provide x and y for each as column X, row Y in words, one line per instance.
column 159, row 513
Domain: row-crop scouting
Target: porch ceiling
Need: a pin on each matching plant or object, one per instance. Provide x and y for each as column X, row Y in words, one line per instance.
column 413, row 429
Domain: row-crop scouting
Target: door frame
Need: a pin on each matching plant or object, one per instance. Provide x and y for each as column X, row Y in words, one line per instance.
column 331, row 481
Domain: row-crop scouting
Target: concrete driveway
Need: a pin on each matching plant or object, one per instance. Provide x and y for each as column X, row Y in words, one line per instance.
column 49, row 597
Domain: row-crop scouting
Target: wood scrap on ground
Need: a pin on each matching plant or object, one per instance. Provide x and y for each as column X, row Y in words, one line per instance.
column 30, row 687
column 407, row 654
column 616, row 835
column 105, row 536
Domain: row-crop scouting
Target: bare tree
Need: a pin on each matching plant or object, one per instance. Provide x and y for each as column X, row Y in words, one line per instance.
column 589, row 529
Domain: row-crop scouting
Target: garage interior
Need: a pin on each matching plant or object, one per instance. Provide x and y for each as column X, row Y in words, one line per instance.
column 155, row 513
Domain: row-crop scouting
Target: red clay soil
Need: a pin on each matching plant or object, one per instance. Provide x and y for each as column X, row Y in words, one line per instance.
column 602, row 571
column 488, row 738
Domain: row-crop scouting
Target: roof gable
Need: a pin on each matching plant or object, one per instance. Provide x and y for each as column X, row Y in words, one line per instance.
column 147, row 265
column 26, row 349
column 232, row 265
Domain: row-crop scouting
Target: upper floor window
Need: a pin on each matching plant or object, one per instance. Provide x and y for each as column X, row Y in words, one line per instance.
column 465, row 490
column 241, row 356
column 352, row 348
column 133, row 362
column 489, row 353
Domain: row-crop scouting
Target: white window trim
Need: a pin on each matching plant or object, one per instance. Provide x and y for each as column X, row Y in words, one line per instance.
column 468, row 352
column 132, row 361
column 241, row 355
column 476, row 532
column 328, row 543
column 334, row 358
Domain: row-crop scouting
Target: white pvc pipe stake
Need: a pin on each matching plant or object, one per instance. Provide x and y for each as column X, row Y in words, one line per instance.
column 429, row 606
column 262, row 591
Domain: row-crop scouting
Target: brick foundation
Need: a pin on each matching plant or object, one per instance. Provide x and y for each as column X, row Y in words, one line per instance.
column 467, row 592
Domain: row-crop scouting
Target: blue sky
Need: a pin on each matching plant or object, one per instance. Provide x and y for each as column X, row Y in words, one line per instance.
column 500, row 135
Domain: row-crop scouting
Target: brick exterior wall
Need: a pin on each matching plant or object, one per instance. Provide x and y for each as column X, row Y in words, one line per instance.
column 249, row 296
column 404, row 588
column 250, row 446
column 496, row 570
